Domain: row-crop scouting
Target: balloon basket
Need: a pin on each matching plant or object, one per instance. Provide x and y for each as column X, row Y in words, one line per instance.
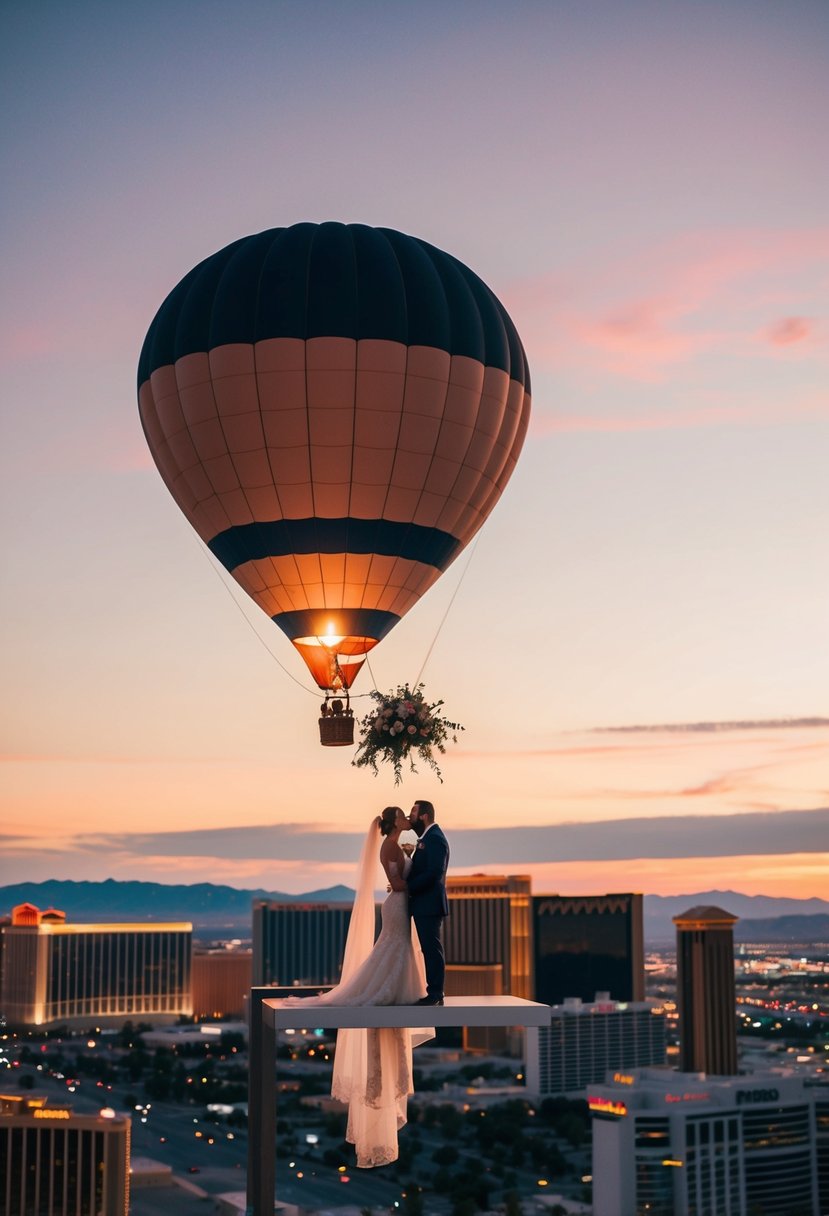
column 336, row 724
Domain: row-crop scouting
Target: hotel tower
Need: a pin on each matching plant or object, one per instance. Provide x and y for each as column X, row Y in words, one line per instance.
column 705, row 991
column 54, row 973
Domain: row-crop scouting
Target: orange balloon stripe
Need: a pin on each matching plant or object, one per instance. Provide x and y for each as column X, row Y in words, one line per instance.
column 279, row 585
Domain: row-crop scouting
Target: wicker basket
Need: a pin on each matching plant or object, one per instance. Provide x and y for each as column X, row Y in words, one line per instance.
column 337, row 730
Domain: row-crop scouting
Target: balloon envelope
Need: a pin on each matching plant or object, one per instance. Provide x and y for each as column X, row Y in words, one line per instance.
column 336, row 409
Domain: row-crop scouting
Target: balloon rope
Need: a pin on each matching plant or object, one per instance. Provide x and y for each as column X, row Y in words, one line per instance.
column 446, row 613
column 314, row 692
column 371, row 673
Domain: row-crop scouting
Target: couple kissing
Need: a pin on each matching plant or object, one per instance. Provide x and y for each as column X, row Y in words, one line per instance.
column 420, row 876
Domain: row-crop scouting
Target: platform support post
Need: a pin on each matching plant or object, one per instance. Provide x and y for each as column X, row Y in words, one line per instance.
column 261, row 1108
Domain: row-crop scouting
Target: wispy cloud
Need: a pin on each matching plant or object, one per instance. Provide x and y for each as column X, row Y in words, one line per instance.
column 716, row 727
column 676, row 836
column 659, row 308
column 789, row 331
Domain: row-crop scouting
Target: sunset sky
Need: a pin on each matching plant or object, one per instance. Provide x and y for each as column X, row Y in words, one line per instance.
column 637, row 645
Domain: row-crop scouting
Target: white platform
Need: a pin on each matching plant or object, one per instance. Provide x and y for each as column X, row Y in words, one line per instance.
column 268, row 1015
column 456, row 1011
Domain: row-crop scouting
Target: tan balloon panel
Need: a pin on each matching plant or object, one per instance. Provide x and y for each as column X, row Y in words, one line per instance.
column 336, row 410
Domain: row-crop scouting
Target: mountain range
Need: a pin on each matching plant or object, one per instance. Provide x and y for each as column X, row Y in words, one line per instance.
column 222, row 911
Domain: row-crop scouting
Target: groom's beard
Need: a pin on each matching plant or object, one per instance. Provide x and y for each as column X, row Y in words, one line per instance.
column 418, row 827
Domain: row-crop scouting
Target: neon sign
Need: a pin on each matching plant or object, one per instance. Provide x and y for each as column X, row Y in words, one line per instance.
column 606, row 1106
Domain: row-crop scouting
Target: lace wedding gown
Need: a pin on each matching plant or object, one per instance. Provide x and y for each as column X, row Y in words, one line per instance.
column 373, row 1067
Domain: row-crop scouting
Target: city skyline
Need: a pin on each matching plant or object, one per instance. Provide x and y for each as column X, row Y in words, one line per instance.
column 636, row 643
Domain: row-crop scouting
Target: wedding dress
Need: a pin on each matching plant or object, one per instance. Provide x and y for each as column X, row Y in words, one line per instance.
column 373, row 1067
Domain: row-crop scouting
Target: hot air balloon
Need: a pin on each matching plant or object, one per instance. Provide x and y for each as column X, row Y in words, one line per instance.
column 336, row 409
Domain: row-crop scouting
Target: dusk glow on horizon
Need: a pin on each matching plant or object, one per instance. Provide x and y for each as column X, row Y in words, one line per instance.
column 636, row 640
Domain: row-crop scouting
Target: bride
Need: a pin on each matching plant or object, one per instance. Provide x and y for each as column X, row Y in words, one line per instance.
column 373, row 1067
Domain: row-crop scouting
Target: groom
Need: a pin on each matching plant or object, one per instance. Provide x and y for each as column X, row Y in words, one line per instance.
column 428, row 904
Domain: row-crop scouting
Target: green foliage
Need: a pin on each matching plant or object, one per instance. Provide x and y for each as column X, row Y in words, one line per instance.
column 404, row 727
column 450, row 1119
column 158, row 1086
column 512, row 1204
column 442, row 1181
column 447, row 1154
column 335, row 1123
column 573, row 1129
column 570, row 1119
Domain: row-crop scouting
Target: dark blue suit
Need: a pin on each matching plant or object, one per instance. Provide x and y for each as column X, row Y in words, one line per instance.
column 428, row 904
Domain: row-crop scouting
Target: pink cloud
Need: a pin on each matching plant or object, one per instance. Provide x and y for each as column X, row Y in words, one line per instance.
column 788, row 331
column 715, row 785
column 23, row 342
column 639, row 316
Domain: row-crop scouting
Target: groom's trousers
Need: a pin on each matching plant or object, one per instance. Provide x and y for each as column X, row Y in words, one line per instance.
column 429, row 930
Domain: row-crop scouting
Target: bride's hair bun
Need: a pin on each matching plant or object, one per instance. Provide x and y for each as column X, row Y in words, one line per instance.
column 388, row 819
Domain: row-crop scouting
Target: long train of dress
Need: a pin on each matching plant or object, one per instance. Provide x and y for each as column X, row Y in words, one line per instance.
column 373, row 1067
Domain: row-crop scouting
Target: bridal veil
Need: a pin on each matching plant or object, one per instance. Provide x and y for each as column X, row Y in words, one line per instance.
column 373, row 1067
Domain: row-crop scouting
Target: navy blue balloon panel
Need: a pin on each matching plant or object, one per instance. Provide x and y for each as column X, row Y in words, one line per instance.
column 336, row 409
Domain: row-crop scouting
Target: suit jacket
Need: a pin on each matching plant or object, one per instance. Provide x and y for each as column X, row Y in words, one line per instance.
column 427, row 877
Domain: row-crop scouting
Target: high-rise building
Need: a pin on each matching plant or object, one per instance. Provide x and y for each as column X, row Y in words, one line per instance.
column 221, row 981
column 586, row 1041
column 705, row 991
column 54, row 1162
column 54, row 972
column 489, row 923
column 296, row 944
column 584, row 944
column 476, row 979
column 680, row 1144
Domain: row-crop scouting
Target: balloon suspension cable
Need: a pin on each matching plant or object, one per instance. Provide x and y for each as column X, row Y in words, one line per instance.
column 373, row 679
column 445, row 615
column 313, row 691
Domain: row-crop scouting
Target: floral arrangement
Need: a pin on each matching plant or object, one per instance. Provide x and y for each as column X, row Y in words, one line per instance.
column 404, row 726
